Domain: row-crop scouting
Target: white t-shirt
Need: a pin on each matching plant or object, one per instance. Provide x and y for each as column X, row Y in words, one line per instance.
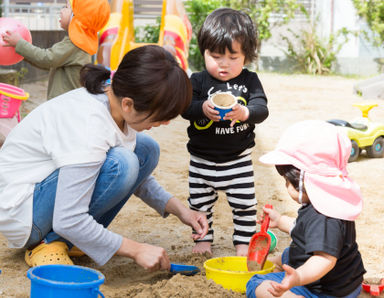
column 73, row 128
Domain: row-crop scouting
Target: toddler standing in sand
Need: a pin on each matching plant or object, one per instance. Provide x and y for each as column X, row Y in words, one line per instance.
column 323, row 259
column 221, row 150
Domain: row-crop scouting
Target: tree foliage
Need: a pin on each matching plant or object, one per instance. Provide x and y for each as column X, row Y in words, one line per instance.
column 311, row 53
column 373, row 12
column 198, row 10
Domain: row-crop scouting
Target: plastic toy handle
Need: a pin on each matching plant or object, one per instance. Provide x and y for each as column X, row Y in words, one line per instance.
column 98, row 292
column 184, row 269
column 266, row 219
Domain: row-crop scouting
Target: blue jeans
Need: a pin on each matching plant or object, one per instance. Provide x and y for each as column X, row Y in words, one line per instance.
column 257, row 279
column 120, row 175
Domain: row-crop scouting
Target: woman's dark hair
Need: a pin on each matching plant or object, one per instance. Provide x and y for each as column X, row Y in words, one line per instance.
column 291, row 173
column 222, row 27
column 150, row 76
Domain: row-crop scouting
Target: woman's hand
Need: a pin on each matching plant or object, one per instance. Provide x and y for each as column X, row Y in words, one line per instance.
column 210, row 112
column 148, row 256
column 196, row 220
column 238, row 113
column 11, row 38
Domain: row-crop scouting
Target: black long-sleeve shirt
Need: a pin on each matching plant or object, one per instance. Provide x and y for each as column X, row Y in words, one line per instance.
column 217, row 141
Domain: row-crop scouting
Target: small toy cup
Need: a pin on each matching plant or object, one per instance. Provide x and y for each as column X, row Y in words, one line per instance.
column 223, row 102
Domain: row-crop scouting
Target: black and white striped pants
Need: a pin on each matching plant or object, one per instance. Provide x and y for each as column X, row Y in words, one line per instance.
column 236, row 179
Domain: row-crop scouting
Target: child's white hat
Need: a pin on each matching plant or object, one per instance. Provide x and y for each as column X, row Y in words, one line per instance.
column 321, row 150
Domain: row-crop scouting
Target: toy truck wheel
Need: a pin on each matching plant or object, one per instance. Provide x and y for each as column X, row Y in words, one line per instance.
column 355, row 151
column 377, row 148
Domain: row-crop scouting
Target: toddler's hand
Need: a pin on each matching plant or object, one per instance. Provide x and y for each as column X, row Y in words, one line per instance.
column 274, row 217
column 11, row 38
column 210, row 112
column 238, row 113
column 291, row 279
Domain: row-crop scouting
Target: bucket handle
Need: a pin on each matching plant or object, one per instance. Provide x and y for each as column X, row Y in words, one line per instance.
column 98, row 292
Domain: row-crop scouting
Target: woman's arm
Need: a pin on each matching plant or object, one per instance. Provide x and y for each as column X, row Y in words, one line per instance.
column 71, row 218
column 196, row 220
column 154, row 195
column 72, row 221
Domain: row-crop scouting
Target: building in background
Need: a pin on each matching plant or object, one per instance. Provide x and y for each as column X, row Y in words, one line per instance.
column 357, row 56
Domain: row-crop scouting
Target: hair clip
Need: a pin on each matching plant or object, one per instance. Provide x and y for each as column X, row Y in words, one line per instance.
column 112, row 73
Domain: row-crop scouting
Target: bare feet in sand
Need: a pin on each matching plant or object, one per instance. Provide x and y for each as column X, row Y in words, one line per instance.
column 241, row 250
column 202, row 247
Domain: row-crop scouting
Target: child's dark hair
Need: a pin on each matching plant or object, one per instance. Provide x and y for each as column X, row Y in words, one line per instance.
column 292, row 174
column 150, row 76
column 222, row 27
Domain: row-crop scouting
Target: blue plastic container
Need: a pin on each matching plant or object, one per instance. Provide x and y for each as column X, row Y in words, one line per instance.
column 63, row 281
column 223, row 110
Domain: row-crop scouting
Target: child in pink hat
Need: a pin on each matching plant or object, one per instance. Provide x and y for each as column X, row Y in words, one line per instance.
column 323, row 259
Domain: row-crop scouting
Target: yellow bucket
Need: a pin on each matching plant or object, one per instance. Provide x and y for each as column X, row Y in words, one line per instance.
column 232, row 272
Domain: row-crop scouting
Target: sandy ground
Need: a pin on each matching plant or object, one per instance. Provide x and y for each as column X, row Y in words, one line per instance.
column 291, row 98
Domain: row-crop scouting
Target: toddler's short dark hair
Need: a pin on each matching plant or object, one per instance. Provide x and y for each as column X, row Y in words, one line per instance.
column 222, row 27
column 292, row 174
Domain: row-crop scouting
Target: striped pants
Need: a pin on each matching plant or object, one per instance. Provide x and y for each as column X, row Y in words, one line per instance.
column 236, row 179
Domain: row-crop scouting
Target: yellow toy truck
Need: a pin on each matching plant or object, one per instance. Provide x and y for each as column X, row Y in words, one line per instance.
column 364, row 133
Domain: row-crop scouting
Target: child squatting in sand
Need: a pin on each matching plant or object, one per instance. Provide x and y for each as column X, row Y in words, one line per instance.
column 323, row 259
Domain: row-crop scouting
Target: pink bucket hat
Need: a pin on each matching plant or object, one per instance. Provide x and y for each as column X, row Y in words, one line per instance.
column 321, row 150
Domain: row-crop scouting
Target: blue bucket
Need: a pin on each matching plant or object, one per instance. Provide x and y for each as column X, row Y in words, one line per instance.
column 63, row 281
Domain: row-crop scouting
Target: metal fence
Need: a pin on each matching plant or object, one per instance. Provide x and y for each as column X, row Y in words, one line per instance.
column 34, row 16
column 45, row 16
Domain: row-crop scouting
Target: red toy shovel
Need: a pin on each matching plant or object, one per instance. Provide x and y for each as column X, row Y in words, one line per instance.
column 259, row 245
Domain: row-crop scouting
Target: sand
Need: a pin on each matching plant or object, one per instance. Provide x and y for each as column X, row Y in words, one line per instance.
column 291, row 98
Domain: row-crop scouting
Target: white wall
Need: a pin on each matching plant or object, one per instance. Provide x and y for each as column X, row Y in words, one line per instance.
column 357, row 56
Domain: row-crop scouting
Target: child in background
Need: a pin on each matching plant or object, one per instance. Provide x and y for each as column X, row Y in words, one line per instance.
column 323, row 259
column 221, row 150
column 65, row 58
